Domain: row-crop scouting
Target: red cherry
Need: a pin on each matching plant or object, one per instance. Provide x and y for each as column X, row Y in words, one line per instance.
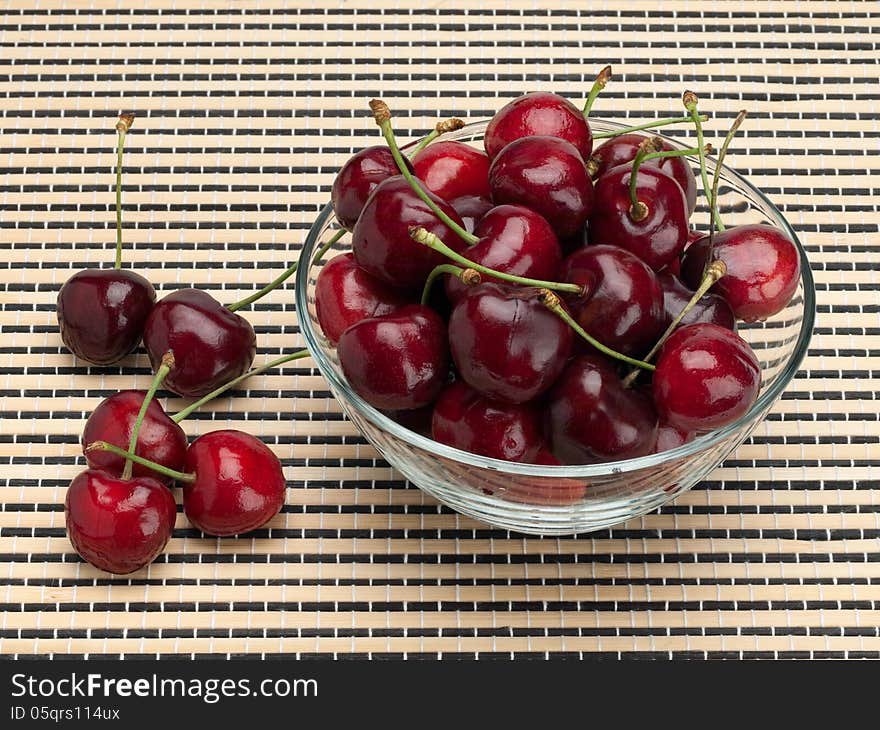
column 471, row 209
column 101, row 313
column 452, row 169
column 538, row 113
column 706, row 377
column 710, row 307
column 357, row 179
column 592, row 418
column 548, row 491
column 239, row 483
column 118, row 525
column 399, row 361
column 211, row 344
column 506, row 344
column 345, row 294
column 763, row 269
column 670, row 437
column 468, row 420
column 548, row 175
column 381, row 240
column 513, row 240
column 658, row 237
column 160, row 439
column 623, row 303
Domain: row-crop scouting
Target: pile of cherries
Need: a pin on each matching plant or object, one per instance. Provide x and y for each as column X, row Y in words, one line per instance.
column 575, row 323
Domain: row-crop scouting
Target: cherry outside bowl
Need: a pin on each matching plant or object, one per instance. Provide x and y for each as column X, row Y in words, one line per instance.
column 498, row 492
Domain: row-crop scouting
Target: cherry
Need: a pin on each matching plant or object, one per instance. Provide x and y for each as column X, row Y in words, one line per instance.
column 468, row 420
column 670, row 437
column 622, row 306
column 706, row 377
column 547, row 491
column 674, row 266
column 471, row 209
column 548, row 175
column 539, row 113
column 118, row 525
column 506, row 343
column 591, row 417
column 345, row 293
column 710, row 307
column 515, row 240
column 763, row 269
column 211, row 343
column 452, row 169
column 399, row 361
column 357, row 179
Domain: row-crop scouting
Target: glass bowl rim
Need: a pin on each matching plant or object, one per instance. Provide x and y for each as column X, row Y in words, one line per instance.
column 380, row 420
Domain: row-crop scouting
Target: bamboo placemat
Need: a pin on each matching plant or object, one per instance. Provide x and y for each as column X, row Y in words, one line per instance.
column 244, row 112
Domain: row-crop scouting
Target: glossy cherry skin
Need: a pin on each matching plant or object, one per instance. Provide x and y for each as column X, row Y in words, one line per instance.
column 674, row 266
column 399, row 361
column 538, row 114
column 506, row 344
column 471, row 209
column 452, row 169
column 102, row 312
column 118, row 525
column 381, row 240
column 763, row 269
column 670, row 437
column 345, row 293
column 706, row 377
column 620, row 150
column 160, row 439
column 468, row 420
column 514, row 240
column 658, row 238
column 239, row 483
column 211, row 345
column 548, row 175
column 710, row 308
column 357, row 179
column 591, row 417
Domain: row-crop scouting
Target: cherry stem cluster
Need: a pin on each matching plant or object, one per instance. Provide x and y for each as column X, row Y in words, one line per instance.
column 654, row 124
column 122, row 127
column 468, row 277
column 166, row 365
column 690, row 101
column 649, row 150
column 158, row 468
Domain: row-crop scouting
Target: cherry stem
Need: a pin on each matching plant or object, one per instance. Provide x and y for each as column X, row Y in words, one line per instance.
column 382, row 115
column 648, row 125
column 122, row 127
column 713, row 274
column 327, row 246
column 180, row 415
column 602, row 79
column 553, row 303
column 420, row 235
column 690, row 101
column 648, row 150
column 158, row 468
column 469, row 277
column 442, row 127
column 166, row 365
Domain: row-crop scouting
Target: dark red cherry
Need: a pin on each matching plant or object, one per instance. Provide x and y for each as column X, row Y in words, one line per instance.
column 239, row 483
column 658, row 237
column 710, row 308
column 706, row 377
column 452, row 169
column 160, row 439
column 513, row 240
column 399, row 361
column 670, row 437
column 538, row 113
column 471, row 209
column 763, row 269
column 381, row 240
column 548, row 175
column 591, row 417
column 623, row 303
column 506, row 344
column 345, row 294
column 357, row 179
column 620, row 150
column 211, row 345
column 549, row 491
column 118, row 525
column 674, row 266
column 468, row 420
column 102, row 312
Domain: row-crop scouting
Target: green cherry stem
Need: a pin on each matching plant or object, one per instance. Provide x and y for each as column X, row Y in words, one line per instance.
column 327, row 246
column 442, row 127
column 382, row 115
column 426, row 238
column 469, row 277
column 166, row 365
column 602, row 79
column 158, row 468
column 690, row 101
column 180, row 415
column 122, row 127
column 649, row 150
column 668, row 121
column 550, row 300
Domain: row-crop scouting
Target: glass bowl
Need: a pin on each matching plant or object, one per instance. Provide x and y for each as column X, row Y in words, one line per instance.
column 565, row 500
